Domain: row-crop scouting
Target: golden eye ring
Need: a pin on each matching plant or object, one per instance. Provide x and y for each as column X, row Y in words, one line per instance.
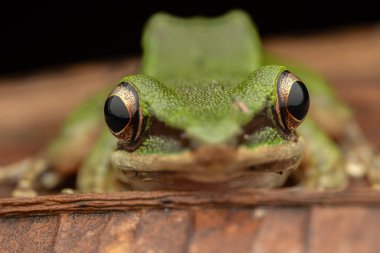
column 123, row 115
column 293, row 101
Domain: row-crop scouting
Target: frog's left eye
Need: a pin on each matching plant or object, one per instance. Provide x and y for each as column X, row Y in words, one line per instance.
column 292, row 101
column 123, row 115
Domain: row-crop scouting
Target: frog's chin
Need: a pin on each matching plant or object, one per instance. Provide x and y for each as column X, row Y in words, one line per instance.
column 209, row 167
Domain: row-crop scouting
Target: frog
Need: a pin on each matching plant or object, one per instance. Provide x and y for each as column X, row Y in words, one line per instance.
column 210, row 109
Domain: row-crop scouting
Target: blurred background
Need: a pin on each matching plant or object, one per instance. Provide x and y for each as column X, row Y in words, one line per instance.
column 54, row 55
column 38, row 35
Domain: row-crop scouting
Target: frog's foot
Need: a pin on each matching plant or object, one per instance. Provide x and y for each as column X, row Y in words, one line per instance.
column 335, row 179
column 13, row 172
column 361, row 160
column 22, row 173
column 361, row 163
column 358, row 161
column 373, row 173
column 25, row 185
column 28, row 175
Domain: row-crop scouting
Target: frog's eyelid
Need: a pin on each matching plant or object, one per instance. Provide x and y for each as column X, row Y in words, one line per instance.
column 132, row 102
column 279, row 115
column 140, row 123
column 282, row 96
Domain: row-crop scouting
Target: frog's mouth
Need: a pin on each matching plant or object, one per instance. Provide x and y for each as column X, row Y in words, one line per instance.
column 210, row 167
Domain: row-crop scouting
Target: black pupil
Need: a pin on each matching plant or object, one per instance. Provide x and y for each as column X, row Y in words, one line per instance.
column 116, row 114
column 298, row 100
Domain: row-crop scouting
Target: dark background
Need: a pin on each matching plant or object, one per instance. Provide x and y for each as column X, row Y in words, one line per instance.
column 42, row 35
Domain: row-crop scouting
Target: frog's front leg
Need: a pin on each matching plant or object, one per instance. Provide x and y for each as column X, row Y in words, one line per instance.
column 323, row 165
column 62, row 156
column 26, row 184
column 374, row 172
column 328, row 164
column 361, row 159
column 95, row 174
column 31, row 175
column 24, row 173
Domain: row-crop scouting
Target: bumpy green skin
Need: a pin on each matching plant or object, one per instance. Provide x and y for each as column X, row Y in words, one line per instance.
column 193, row 79
column 196, row 85
column 207, row 111
column 198, row 48
column 69, row 147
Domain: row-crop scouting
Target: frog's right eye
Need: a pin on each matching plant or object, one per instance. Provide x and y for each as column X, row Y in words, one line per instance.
column 292, row 101
column 123, row 115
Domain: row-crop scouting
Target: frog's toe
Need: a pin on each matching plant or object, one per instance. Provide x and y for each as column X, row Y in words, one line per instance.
column 363, row 163
column 25, row 174
column 373, row 174
column 24, row 190
column 335, row 180
column 331, row 180
column 68, row 191
column 355, row 168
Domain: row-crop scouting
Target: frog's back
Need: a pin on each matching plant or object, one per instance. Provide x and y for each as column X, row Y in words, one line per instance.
column 200, row 49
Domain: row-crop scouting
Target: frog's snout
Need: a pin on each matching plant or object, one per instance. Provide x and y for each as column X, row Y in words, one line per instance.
column 215, row 155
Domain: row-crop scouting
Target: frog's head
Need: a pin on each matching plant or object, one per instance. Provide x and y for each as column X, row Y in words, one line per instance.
column 207, row 133
column 203, row 120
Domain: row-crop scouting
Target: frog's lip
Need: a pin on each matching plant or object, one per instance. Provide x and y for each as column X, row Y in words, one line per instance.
column 213, row 163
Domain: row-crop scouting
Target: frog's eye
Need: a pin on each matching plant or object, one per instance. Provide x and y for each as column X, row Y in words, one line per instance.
column 123, row 115
column 292, row 101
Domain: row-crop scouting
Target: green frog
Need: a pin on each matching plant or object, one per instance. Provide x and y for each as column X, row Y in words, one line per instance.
column 210, row 111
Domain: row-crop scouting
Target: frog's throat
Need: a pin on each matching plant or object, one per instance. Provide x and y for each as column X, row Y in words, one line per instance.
column 211, row 164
